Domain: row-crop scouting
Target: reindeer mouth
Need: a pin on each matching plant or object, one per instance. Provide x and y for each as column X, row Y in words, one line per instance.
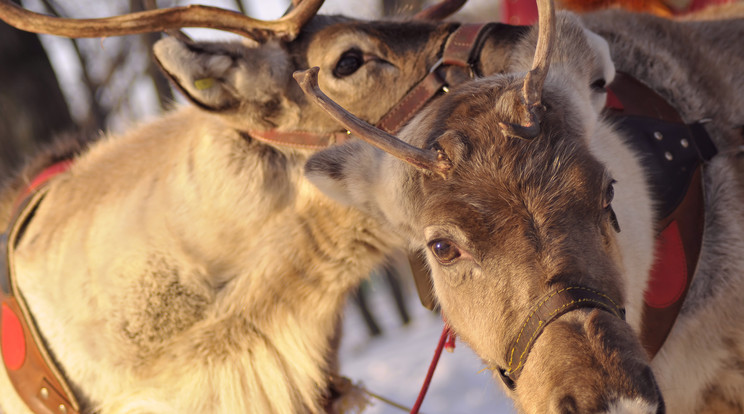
column 589, row 362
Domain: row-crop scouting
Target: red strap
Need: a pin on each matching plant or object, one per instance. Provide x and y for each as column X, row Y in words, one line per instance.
column 12, row 339
column 43, row 177
column 38, row 382
column 613, row 101
column 446, row 333
column 668, row 279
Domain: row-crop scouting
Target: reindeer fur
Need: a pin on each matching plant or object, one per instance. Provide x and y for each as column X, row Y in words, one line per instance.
column 185, row 267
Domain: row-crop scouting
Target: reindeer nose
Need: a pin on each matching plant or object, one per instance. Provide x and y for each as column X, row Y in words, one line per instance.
column 662, row 407
column 567, row 405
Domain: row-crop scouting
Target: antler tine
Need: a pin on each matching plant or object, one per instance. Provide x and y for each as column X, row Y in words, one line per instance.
column 426, row 159
column 148, row 21
column 441, row 10
column 535, row 78
column 533, row 82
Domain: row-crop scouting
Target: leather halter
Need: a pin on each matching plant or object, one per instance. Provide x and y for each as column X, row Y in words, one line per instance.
column 461, row 50
column 548, row 309
column 28, row 363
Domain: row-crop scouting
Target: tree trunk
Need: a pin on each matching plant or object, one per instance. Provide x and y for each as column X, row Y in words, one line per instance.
column 32, row 107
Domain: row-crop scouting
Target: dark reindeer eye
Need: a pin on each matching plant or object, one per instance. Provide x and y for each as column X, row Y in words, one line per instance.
column 349, row 63
column 599, row 85
column 444, row 250
column 606, row 204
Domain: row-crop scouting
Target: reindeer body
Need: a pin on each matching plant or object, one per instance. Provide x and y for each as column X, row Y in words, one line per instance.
column 509, row 221
column 187, row 267
column 175, row 309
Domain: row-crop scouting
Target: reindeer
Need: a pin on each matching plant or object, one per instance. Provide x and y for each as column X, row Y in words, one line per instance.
column 539, row 214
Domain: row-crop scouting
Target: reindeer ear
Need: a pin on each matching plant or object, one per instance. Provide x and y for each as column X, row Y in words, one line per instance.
column 602, row 72
column 220, row 76
column 346, row 173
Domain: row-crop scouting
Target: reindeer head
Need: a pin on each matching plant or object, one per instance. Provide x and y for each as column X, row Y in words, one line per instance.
column 363, row 65
column 500, row 184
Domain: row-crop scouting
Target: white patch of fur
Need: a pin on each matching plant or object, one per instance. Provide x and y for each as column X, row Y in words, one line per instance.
column 602, row 52
column 631, row 406
column 634, row 210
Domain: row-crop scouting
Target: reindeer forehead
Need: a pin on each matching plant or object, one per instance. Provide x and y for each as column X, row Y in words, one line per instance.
column 383, row 35
column 497, row 178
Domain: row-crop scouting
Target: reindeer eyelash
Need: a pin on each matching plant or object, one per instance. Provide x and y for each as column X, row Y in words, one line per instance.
column 609, row 195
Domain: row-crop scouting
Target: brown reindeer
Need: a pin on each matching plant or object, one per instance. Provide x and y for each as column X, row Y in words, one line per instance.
column 538, row 212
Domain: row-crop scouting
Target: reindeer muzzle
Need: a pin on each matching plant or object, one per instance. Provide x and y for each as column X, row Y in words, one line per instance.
column 548, row 309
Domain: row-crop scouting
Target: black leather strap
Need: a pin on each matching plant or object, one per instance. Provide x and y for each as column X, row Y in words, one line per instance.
column 548, row 309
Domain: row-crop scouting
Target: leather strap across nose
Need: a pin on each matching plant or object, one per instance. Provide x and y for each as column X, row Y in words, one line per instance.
column 548, row 309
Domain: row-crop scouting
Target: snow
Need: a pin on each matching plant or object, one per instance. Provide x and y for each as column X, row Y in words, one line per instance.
column 394, row 365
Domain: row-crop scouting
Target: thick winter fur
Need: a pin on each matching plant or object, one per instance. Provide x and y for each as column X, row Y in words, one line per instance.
column 526, row 217
column 184, row 267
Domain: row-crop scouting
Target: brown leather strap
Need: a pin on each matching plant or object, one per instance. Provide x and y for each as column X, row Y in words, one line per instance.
column 412, row 103
column 422, row 280
column 635, row 98
column 464, row 46
column 547, row 310
column 28, row 364
column 461, row 50
column 300, row 139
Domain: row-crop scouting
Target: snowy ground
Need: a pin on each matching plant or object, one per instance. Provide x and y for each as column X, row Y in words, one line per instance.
column 394, row 365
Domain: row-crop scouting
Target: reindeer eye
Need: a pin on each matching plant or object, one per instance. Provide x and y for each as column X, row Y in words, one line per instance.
column 349, row 63
column 599, row 85
column 444, row 250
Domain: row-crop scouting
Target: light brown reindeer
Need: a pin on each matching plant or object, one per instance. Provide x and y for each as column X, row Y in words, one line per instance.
column 517, row 187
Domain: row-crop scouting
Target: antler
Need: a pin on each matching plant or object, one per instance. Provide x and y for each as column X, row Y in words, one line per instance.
column 285, row 28
column 535, row 79
column 440, row 11
column 431, row 160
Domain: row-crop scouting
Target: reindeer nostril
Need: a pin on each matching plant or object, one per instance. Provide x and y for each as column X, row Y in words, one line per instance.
column 567, row 405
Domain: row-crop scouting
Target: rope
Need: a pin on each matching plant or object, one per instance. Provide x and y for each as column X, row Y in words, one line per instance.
column 446, row 334
column 386, row 401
